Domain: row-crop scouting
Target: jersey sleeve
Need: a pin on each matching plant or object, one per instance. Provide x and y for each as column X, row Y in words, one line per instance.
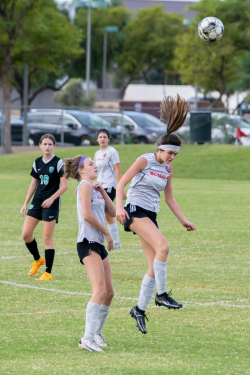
column 95, row 157
column 60, row 168
column 115, row 157
column 33, row 172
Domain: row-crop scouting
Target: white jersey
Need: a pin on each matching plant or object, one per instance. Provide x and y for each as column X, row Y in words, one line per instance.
column 105, row 160
column 144, row 191
column 98, row 210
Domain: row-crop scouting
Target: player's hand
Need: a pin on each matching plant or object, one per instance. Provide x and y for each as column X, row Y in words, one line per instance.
column 97, row 186
column 109, row 239
column 121, row 215
column 190, row 226
column 47, row 203
column 23, row 209
column 124, row 195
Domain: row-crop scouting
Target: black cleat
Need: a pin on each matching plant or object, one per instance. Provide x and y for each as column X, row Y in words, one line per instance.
column 165, row 300
column 140, row 319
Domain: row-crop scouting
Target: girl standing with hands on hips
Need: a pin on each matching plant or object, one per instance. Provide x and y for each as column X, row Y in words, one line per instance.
column 108, row 165
column 92, row 204
column 48, row 183
column 150, row 174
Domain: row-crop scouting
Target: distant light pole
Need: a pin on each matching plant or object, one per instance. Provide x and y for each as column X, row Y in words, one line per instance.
column 110, row 29
column 89, row 4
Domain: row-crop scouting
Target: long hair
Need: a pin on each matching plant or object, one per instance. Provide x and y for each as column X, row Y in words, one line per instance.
column 173, row 112
column 71, row 167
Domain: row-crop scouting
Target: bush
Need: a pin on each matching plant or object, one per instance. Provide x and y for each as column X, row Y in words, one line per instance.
column 73, row 95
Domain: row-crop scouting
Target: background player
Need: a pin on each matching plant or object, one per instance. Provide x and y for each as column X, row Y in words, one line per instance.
column 48, row 183
column 92, row 203
column 108, row 166
column 150, row 174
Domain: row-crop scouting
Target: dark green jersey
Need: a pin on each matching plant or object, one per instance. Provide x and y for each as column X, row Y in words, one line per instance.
column 48, row 175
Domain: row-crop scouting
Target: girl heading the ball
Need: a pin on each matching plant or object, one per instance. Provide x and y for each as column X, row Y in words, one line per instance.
column 150, row 174
column 92, row 204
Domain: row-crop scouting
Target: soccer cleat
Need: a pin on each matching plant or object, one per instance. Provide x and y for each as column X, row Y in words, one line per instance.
column 117, row 246
column 99, row 339
column 90, row 345
column 140, row 319
column 165, row 300
column 35, row 265
column 45, row 276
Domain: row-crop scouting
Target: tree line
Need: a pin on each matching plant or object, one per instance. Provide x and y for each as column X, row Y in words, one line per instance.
column 37, row 33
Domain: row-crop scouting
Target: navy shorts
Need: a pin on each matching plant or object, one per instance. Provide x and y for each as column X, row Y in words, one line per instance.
column 111, row 193
column 84, row 248
column 137, row 211
column 44, row 214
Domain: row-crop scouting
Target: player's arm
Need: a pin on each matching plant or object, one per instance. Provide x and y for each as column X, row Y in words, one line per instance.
column 86, row 195
column 118, row 171
column 31, row 190
column 138, row 165
column 110, row 207
column 64, row 186
column 172, row 204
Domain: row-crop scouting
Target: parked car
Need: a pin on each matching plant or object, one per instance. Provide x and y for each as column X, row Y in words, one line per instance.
column 79, row 127
column 223, row 128
column 139, row 127
column 16, row 131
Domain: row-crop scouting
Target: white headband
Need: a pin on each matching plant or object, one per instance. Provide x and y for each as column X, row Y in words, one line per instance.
column 169, row 147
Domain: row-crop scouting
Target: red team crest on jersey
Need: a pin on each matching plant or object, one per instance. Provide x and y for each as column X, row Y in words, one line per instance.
column 168, row 169
column 104, row 155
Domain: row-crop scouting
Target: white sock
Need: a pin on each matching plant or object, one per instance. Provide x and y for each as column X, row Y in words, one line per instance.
column 160, row 270
column 103, row 314
column 92, row 312
column 113, row 228
column 147, row 290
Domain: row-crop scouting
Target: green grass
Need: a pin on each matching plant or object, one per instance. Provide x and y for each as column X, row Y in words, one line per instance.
column 208, row 270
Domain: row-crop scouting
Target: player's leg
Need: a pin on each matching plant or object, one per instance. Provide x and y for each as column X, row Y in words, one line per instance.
column 48, row 231
column 113, row 229
column 148, row 232
column 29, row 227
column 105, row 306
column 95, row 271
column 147, row 288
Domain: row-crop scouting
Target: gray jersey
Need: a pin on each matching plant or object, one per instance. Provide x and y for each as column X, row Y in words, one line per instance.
column 98, row 210
column 144, row 191
column 105, row 160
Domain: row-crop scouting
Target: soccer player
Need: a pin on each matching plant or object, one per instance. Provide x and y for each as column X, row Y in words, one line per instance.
column 92, row 203
column 108, row 165
column 150, row 174
column 48, row 183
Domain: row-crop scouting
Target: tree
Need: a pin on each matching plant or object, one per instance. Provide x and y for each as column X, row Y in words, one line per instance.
column 149, row 41
column 73, row 95
column 33, row 32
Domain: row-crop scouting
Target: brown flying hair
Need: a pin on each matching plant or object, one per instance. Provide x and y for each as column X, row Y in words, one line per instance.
column 49, row 136
column 173, row 112
column 71, row 167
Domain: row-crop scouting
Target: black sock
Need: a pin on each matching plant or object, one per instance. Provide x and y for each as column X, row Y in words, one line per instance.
column 49, row 259
column 32, row 247
column 140, row 311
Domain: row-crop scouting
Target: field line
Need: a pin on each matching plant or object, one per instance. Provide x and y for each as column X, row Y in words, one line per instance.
column 139, row 250
column 57, row 290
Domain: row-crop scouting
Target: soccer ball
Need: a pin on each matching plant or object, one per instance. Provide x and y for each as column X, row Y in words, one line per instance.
column 211, row 29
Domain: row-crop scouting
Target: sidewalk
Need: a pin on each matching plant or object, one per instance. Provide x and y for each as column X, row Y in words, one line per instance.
column 18, row 149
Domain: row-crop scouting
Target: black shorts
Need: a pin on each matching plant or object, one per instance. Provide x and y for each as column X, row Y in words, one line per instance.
column 111, row 193
column 137, row 211
column 84, row 248
column 45, row 214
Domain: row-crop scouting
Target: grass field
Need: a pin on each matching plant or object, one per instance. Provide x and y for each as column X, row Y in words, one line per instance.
column 208, row 270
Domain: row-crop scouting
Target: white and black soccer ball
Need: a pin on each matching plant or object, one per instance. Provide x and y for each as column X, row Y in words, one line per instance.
column 211, row 29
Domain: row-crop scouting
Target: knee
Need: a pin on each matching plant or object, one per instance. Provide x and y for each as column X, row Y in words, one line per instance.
column 26, row 237
column 47, row 239
column 102, row 292
column 110, row 295
column 163, row 248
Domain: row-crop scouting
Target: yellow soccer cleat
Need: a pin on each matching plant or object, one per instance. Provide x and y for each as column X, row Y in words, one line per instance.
column 35, row 265
column 45, row 276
